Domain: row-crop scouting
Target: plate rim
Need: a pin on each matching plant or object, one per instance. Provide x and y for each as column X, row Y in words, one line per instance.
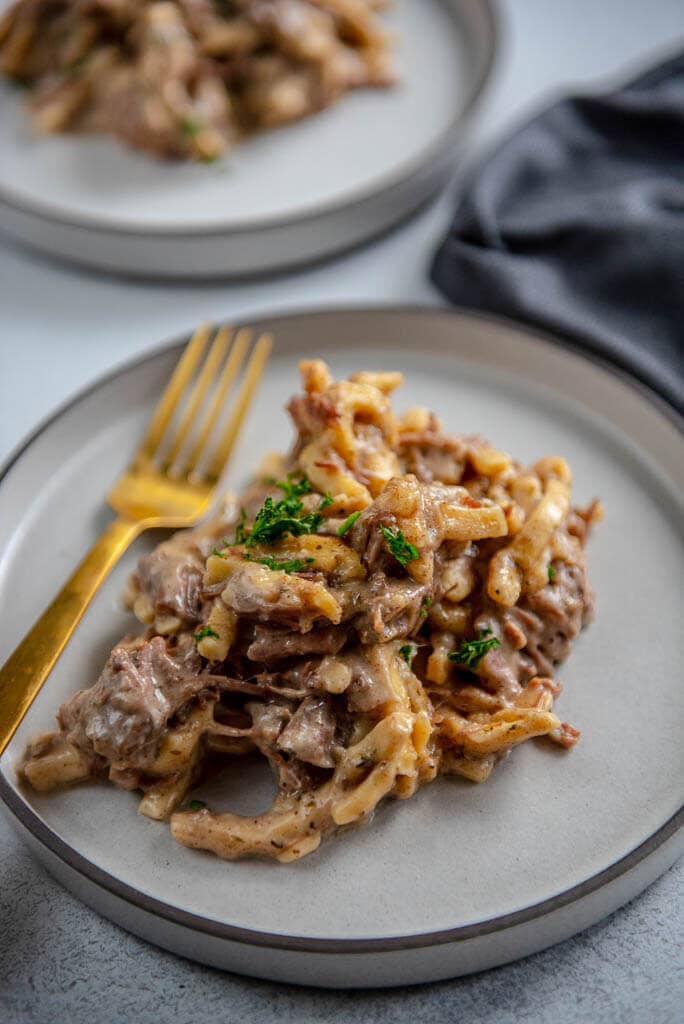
column 306, row 944
column 405, row 171
column 22, row 810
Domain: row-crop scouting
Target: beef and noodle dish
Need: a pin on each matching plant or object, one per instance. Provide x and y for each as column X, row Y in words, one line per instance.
column 386, row 603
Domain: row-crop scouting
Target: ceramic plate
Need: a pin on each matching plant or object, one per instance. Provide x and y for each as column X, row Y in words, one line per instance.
column 284, row 197
column 462, row 876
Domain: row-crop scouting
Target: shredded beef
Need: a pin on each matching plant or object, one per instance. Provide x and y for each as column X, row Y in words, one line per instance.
column 309, row 735
column 124, row 715
column 274, row 644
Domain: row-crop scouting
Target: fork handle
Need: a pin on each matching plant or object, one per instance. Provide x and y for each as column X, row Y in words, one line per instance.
column 27, row 668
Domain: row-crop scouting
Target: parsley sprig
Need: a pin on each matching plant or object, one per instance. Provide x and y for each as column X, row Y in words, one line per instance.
column 290, row 487
column 408, row 653
column 471, row 652
column 204, row 632
column 190, row 127
column 275, row 519
column 291, row 565
column 426, row 606
column 347, row 524
column 225, row 543
column 401, row 548
column 550, row 572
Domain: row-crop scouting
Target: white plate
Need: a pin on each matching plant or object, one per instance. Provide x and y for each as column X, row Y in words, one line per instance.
column 460, row 877
column 286, row 196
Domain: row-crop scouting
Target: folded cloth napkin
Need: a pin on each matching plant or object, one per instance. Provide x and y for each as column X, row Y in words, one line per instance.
column 576, row 224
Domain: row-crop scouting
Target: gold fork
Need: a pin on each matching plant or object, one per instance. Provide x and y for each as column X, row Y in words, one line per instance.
column 170, row 483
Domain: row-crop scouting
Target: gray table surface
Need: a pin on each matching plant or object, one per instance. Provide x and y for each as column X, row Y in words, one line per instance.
column 60, row 328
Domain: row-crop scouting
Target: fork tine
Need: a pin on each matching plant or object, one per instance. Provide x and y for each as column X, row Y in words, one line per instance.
column 236, row 356
column 169, row 400
column 204, row 381
column 255, row 368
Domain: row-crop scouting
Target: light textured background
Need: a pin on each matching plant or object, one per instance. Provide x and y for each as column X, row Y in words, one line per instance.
column 59, row 329
column 61, row 963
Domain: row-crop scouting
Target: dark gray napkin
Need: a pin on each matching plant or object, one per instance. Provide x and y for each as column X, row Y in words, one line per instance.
column 576, row 224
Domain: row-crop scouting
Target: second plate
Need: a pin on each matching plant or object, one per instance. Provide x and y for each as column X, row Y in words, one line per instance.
column 284, row 197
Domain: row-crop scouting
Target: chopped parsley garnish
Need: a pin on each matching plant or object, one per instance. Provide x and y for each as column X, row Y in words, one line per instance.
column 293, row 565
column 408, row 653
column 215, row 551
column 426, row 606
column 471, row 652
column 401, row 548
column 204, row 632
column 197, row 805
column 347, row 524
column 550, row 572
column 275, row 519
column 291, row 488
column 190, row 127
